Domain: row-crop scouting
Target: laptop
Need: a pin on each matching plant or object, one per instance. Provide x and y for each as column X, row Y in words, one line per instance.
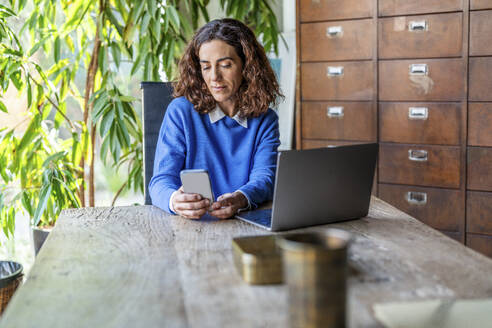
column 318, row 186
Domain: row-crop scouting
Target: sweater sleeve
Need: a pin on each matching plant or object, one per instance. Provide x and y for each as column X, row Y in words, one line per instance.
column 169, row 158
column 262, row 176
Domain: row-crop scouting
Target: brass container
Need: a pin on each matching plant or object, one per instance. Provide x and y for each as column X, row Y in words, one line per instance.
column 316, row 271
column 258, row 259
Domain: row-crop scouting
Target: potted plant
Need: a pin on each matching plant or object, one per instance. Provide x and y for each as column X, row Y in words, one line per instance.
column 69, row 62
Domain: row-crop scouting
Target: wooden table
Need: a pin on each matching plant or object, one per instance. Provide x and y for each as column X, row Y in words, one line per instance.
column 139, row 267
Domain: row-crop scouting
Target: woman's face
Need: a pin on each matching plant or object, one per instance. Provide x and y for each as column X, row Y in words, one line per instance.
column 222, row 71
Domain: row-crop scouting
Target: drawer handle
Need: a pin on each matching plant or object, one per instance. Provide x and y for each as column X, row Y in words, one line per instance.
column 419, row 69
column 333, row 31
column 417, row 155
column 415, row 26
column 418, row 113
column 334, row 71
column 334, row 111
column 416, row 198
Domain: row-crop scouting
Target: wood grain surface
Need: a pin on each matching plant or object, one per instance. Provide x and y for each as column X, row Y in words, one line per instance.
column 444, row 209
column 441, row 38
column 358, row 123
column 441, row 169
column 405, row 7
column 316, row 10
column 481, row 33
column 442, row 126
column 139, row 267
column 480, row 124
column 444, row 82
column 480, row 79
column 356, row 82
column 352, row 43
column 479, row 166
column 480, row 4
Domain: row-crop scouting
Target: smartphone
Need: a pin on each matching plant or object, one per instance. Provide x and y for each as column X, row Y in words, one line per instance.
column 197, row 182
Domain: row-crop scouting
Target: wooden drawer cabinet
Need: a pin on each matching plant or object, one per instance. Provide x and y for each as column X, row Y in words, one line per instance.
column 320, row 10
column 421, row 36
column 422, row 79
column 339, row 120
column 421, row 165
column 422, row 123
column 479, row 212
column 480, row 124
column 479, row 168
column 406, row 7
column 337, row 81
column 480, row 243
column 480, row 4
column 415, row 76
column 481, row 33
column 441, row 209
column 345, row 40
column 480, row 79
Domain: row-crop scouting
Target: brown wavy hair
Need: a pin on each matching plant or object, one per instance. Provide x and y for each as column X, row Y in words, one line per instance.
column 259, row 87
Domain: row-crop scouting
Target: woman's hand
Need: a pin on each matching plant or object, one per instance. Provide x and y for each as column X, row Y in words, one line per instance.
column 189, row 206
column 228, row 204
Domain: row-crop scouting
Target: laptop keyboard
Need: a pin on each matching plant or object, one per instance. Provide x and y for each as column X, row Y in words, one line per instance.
column 261, row 217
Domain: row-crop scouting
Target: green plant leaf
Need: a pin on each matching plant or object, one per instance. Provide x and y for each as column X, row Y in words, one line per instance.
column 54, row 158
column 3, row 108
column 44, row 195
column 152, row 7
column 26, row 202
column 30, row 134
column 29, row 92
column 116, row 53
column 102, row 59
column 76, row 148
column 173, row 17
column 57, row 51
column 106, row 123
column 69, row 42
column 37, row 46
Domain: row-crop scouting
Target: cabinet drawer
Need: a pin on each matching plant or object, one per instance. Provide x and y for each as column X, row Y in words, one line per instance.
column 316, row 10
column 479, row 212
column 406, row 7
column 422, row 165
column 424, row 79
column 345, row 40
column 481, row 33
column 480, row 79
column 480, row 243
column 426, row 123
column 421, row 36
column 442, row 209
column 337, row 81
column 480, row 4
column 340, row 120
column 479, row 168
column 480, row 124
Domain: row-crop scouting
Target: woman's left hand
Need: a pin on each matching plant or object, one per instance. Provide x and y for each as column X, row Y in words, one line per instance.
column 228, row 204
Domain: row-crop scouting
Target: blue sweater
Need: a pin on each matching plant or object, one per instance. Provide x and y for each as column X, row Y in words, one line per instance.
column 236, row 158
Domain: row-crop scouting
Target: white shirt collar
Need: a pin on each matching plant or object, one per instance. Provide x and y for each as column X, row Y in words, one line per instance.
column 217, row 114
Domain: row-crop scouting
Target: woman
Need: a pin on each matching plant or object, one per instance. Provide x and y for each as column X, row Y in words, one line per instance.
column 219, row 121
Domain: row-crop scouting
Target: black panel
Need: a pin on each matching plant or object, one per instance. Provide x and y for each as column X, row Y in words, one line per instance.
column 156, row 96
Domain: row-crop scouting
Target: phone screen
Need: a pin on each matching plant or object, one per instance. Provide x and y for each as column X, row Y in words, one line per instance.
column 197, row 182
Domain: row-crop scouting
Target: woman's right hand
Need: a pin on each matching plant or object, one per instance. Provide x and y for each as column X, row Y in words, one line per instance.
column 189, row 206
